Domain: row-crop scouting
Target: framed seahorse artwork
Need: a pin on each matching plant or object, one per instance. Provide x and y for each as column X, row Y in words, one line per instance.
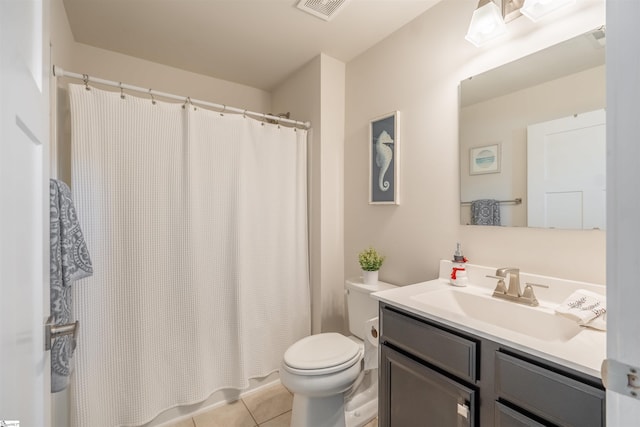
column 384, row 160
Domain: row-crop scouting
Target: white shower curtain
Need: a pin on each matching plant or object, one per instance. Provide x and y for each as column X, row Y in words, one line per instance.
column 196, row 224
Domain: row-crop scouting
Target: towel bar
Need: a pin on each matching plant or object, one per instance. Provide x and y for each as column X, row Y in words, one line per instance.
column 52, row 331
column 515, row 201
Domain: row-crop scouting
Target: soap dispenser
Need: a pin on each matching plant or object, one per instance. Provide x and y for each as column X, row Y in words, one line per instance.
column 458, row 272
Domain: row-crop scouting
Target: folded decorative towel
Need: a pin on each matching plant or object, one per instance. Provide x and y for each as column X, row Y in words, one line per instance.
column 485, row 212
column 599, row 323
column 69, row 261
column 584, row 307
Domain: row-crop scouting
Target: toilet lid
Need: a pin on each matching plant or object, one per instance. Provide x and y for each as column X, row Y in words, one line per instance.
column 321, row 351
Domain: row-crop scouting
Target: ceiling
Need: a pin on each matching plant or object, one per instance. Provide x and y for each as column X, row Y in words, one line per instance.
column 258, row 43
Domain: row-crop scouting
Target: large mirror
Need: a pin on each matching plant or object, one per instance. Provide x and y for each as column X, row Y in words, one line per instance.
column 532, row 139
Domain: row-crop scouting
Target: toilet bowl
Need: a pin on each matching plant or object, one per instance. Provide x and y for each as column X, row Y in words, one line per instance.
column 325, row 372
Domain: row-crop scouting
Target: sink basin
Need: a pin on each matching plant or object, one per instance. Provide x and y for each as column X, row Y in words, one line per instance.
column 478, row 304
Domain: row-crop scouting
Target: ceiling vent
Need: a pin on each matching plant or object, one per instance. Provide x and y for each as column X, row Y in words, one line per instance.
column 323, row 9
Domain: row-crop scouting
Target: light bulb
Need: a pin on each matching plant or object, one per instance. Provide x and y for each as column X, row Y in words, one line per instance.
column 538, row 9
column 486, row 24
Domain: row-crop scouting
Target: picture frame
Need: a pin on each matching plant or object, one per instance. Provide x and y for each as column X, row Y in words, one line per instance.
column 384, row 165
column 484, row 159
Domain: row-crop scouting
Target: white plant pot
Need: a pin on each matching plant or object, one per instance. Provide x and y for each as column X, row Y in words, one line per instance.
column 370, row 277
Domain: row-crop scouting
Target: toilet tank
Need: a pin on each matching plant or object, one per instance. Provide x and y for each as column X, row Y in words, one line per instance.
column 360, row 306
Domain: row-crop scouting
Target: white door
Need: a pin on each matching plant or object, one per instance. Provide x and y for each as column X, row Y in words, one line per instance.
column 566, row 178
column 623, row 233
column 24, row 193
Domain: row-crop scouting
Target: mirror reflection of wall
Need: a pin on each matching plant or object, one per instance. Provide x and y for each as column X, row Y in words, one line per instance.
column 498, row 106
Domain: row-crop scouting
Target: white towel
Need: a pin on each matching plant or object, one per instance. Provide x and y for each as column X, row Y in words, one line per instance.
column 599, row 323
column 585, row 307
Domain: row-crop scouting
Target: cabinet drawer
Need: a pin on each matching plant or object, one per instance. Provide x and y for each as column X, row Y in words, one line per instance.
column 507, row 417
column 550, row 395
column 451, row 352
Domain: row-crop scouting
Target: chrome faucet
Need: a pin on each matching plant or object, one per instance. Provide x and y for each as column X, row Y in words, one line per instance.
column 514, row 292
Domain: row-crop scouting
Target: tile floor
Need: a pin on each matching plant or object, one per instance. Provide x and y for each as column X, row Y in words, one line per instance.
column 269, row 407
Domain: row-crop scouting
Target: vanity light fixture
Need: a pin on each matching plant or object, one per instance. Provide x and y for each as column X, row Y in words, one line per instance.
column 537, row 9
column 487, row 23
column 490, row 17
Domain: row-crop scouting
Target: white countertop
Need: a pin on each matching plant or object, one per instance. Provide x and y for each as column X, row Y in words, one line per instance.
column 583, row 352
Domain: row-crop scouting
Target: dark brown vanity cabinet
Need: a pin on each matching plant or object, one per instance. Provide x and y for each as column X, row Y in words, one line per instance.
column 432, row 375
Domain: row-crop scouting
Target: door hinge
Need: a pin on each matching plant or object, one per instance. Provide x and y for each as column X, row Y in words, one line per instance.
column 621, row 378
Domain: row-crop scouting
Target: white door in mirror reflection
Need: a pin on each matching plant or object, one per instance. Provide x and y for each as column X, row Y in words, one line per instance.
column 566, row 161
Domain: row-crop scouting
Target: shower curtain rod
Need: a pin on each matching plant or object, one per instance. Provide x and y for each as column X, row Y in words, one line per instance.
column 59, row 72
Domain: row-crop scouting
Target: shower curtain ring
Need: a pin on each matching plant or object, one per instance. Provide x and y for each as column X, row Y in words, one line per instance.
column 121, row 90
column 153, row 100
column 224, row 108
column 191, row 103
column 264, row 117
column 85, row 79
column 244, row 114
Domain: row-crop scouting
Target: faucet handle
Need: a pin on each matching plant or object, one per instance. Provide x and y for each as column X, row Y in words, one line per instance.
column 537, row 285
column 529, row 296
column 501, row 287
column 528, row 293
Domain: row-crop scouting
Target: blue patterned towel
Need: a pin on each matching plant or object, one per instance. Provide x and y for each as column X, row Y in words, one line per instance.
column 69, row 261
column 485, row 212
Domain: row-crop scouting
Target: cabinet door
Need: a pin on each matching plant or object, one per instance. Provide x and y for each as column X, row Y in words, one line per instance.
column 412, row 395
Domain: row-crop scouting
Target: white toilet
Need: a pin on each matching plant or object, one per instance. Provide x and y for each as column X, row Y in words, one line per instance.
column 325, row 372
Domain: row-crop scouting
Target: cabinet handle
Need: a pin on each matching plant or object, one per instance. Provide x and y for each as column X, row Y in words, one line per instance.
column 463, row 410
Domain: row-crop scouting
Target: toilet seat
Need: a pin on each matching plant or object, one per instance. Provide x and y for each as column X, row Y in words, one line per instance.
column 322, row 354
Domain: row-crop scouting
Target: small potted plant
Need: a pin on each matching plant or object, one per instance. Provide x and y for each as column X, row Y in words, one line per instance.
column 370, row 262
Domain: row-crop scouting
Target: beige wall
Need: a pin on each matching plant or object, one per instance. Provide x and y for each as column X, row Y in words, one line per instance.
column 332, row 86
column 60, row 35
column 139, row 72
column 417, row 71
column 301, row 93
column 504, row 120
column 316, row 93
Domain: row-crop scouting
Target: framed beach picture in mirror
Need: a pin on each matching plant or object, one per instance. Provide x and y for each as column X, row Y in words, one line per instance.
column 384, row 151
column 485, row 159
